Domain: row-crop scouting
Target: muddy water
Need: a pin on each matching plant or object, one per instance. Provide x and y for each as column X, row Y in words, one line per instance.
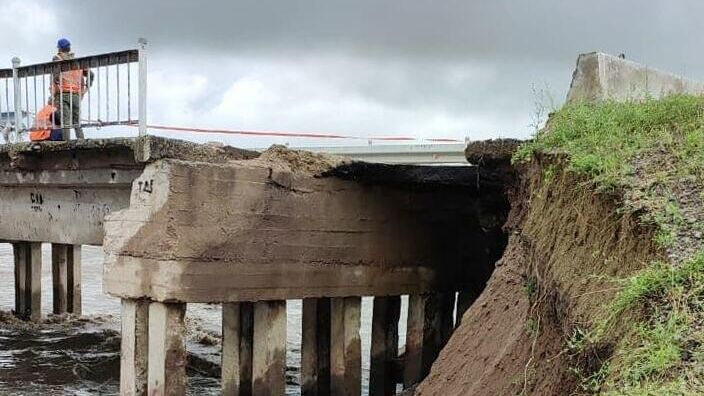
column 80, row 356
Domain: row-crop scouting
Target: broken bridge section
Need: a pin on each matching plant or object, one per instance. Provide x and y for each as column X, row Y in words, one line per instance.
column 59, row 193
column 251, row 234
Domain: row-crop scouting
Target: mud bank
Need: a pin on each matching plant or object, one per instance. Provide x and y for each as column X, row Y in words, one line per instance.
column 565, row 240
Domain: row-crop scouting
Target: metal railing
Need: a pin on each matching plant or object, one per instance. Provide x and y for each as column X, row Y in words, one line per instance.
column 87, row 92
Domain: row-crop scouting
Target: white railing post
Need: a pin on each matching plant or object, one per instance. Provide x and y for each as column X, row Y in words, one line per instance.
column 18, row 96
column 142, row 42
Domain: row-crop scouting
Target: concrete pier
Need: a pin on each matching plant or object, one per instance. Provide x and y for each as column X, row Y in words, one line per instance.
column 428, row 329
column 345, row 346
column 167, row 349
column 384, row 347
column 28, row 280
column 269, row 348
column 66, row 278
column 237, row 348
column 315, row 347
column 134, row 316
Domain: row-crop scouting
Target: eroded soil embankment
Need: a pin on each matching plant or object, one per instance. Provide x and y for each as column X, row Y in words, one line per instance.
column 566, row 242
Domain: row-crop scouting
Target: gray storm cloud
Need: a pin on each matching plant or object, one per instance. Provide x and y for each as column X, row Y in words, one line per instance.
column 432, row 67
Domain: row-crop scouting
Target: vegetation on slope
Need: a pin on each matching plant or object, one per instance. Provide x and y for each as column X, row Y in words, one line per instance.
column 651, row 154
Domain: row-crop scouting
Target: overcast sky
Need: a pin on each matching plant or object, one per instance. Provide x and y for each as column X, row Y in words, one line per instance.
column 431, row 69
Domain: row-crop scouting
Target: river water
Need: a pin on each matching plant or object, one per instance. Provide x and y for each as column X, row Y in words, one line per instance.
column 80, row 356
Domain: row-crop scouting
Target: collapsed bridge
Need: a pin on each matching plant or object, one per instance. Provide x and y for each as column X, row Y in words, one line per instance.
column 184, row 223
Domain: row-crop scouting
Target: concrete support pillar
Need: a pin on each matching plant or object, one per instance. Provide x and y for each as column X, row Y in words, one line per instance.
column 345, row 346
column 66, row 278
column 134, row 347
column 269, row 352
column 428, row 329
column 167, row 349
column 315, row 347
column 384, row 347
column 230, row 375
column 237, row 339
column 28, row 280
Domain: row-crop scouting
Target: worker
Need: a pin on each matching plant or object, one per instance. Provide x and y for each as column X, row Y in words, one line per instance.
column 68, row 88
column 44, row 127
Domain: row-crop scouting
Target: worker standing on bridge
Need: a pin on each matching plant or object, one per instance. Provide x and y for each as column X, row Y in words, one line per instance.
column 68, row 88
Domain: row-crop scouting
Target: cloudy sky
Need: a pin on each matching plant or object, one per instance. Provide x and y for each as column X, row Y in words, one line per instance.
column 429, row 69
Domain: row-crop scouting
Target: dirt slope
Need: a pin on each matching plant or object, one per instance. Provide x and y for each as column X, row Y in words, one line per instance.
column 563, row 237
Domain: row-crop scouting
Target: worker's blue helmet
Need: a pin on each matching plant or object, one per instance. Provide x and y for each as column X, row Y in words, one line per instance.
column 63, row 44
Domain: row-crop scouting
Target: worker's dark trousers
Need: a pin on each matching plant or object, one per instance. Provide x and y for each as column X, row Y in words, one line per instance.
column 70, row 115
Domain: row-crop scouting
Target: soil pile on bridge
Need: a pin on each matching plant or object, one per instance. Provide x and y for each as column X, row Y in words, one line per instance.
column 299, row 161
column 599, row 289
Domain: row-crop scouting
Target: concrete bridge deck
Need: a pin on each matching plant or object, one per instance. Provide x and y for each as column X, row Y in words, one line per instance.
column 182, row 223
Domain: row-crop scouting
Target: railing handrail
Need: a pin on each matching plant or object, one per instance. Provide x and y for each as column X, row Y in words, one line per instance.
column 36, row 75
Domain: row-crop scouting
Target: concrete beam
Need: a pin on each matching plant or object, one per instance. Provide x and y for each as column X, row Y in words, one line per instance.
column 600, row 76
column 247, row 231
column 60, row 192
column 415, row 154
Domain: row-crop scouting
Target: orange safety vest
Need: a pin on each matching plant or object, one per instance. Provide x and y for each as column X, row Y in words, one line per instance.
column 42, row 124
column 71, row 82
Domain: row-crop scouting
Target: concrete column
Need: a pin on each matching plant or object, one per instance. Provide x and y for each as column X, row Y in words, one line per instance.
column 28, row 280
column 345, row 346
column 384, row 347
column 315, row 347
column 74, row 302
column 167, row 349
column 230, row 374
column 66, row 278
column 59, row 277
column 237, row 339
column 428, row 328
column 134, row 347
column 269, row 352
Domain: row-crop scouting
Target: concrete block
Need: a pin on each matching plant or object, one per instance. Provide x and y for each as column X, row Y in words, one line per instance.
column 600, row 76
column 232, row 232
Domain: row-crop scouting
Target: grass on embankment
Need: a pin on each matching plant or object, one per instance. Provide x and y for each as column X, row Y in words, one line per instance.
column 652, row 153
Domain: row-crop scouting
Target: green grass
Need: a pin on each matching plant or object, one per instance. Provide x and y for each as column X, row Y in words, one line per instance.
column 602, row 139
column 663, row 351
column 646, row 150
